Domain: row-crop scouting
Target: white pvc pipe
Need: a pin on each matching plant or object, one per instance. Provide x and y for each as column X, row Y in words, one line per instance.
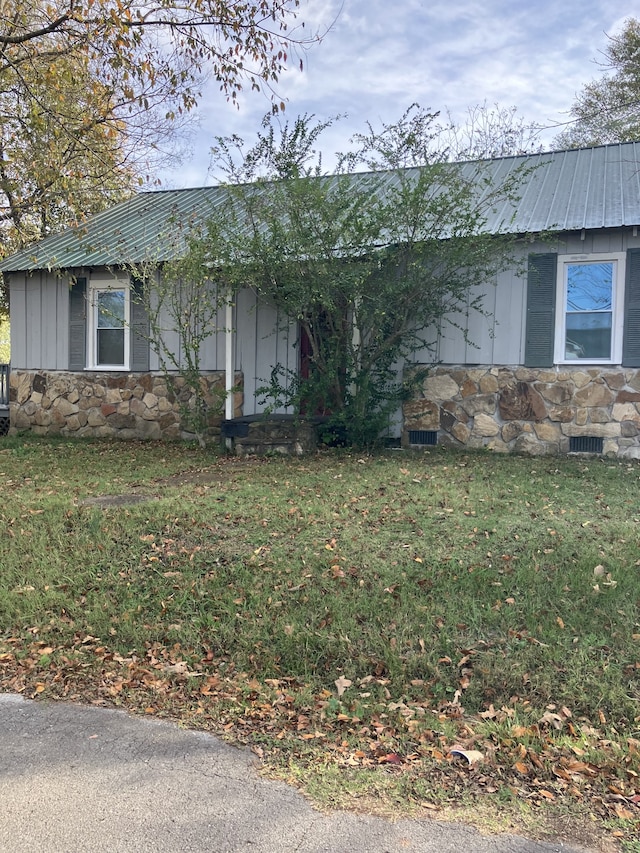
column 228, row 364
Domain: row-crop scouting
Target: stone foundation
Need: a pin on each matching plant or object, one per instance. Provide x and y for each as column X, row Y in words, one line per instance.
column 529, row 410
column 108, row 405
column 271, row 435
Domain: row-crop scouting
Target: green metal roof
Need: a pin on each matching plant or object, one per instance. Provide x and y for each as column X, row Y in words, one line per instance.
column 148, row 225
column 588, row 188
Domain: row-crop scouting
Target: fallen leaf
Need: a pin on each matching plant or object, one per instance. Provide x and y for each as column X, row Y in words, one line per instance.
column 180, row 668
column 341, row 684
column 554, row 720
column 491, row 714
column 390, row 758
column 622, row 812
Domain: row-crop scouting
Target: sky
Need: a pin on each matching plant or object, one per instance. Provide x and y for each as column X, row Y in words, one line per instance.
column 377, row 57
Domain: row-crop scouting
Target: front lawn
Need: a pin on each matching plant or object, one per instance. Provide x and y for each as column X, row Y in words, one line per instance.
column 405, row 631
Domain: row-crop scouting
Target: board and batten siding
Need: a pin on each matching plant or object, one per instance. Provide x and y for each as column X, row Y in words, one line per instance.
column 498, row 336
column 39, row 314
column 262, row 339
column 40, row 306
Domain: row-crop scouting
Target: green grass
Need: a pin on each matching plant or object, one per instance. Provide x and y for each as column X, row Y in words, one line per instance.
column 441, row 586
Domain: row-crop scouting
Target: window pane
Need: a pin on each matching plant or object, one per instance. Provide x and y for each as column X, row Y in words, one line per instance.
column 588, row 335
column 589, row 304
column 111, row 309
column 589, row 287
column 110, row 346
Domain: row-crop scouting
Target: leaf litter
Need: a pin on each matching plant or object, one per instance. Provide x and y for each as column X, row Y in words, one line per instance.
column 541, row 755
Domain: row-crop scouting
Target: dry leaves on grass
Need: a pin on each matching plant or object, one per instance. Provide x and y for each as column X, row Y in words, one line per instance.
column 555, row 758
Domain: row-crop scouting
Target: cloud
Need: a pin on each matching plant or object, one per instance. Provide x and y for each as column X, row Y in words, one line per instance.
column 376, row 59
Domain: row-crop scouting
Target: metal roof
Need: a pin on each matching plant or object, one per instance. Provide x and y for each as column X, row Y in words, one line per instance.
column 588, row 188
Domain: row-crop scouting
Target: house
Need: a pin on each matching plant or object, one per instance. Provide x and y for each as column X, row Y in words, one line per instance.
column 552, row 365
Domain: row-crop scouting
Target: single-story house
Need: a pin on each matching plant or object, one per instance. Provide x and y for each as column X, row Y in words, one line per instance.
column 552, row 365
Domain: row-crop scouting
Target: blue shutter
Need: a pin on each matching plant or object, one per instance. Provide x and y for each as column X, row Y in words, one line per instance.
column 631, row 335
column 78, row 324
column 541, row 310
column 139, row 330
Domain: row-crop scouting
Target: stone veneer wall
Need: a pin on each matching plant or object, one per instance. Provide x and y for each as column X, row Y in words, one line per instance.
column 529, row 410
column 277, row 435
column 116, row 405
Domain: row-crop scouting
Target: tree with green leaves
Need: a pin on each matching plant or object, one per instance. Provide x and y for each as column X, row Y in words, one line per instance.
column 608, row 110
column 92, row 89
column 54, row 173
column 92, row 92
column 370, row 263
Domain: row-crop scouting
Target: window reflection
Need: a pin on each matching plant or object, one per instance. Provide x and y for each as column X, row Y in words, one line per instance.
column 110, row 327
column 111, row 309
column 589, row 315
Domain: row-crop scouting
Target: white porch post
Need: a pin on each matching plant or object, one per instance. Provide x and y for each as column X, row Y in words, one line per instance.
column 228, row 363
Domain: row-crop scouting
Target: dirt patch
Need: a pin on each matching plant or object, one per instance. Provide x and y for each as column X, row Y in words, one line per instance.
column 225, row 471
column 193, row 478
column 116, row 500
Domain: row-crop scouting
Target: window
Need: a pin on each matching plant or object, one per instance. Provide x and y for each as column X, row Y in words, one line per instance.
column 589, row 309
column 108, row 325
column 110, row 308
column 549, row 323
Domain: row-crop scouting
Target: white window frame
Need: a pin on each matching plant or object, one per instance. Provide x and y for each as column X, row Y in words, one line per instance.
column 617, row 307
column 102, row 285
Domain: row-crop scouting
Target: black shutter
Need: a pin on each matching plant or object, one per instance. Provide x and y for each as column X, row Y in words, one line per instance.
column 631, row 335
column 541, row 310
column 139, row 330
column 78, row 324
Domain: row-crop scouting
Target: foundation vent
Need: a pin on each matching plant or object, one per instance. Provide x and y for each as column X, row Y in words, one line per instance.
column 423, row 437
column 585, row 444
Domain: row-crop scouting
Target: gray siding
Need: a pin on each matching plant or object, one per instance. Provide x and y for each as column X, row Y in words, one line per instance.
column 498, row 338
column 39, row 321
column 40, row 333
column 493, row 337
column 262, row 339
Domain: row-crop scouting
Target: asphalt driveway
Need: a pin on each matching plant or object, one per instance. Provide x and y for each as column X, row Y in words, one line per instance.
column 75, row 778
